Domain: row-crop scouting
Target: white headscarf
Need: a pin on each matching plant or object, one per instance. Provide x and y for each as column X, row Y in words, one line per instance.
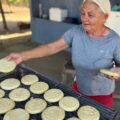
column 113, row 20
column 104, row 5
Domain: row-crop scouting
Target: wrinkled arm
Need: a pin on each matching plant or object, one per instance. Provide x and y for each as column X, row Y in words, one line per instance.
column 45, row 50
column 40, row 51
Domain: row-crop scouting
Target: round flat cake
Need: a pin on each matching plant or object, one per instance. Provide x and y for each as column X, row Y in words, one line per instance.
column 35, row 105
column 19, row 94
column 53, row 113
column 29, row 79
column 69, row 103
column 53, row 95
column 2, row 93
column 73, row 118
column 88, row 113
column 39, row 87
column 10, row 83
column 17, row 114
column 7, row 66
column 109, row 72
column 6, row 104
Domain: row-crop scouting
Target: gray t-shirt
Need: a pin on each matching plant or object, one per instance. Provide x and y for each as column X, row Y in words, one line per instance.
column 89, row 56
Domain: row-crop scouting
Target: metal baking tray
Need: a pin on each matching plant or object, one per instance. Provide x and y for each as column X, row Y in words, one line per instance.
column 21, row 70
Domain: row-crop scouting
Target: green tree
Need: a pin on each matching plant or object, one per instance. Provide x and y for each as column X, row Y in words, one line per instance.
column 13, row 1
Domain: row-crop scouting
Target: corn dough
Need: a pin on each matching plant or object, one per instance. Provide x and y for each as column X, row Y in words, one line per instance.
column 53, row 95
column 6, row 104
column 17, row 114
column 35, row 105
column 2, row 93
column 69, row 103
column 19, row 94
column 7, row 66
column 39, row 87
column 109, row 72
column 88, row 113
column 53, row 113
column 29, row 79
column 10, row 83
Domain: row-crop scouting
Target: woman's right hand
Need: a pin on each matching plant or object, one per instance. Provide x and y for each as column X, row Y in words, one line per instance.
column 16, row 57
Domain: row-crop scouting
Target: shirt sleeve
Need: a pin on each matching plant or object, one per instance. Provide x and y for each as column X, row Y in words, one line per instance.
column 68, row 36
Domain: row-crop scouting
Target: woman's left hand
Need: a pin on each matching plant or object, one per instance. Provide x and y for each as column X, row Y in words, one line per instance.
column 117, row 70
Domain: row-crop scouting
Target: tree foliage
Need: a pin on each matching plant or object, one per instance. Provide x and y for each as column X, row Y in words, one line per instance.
column 13, row 1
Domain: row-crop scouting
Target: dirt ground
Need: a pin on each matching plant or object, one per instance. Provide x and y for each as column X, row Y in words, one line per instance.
column 13, row 15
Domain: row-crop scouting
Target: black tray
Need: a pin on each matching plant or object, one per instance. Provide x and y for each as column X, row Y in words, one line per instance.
column 105, row 113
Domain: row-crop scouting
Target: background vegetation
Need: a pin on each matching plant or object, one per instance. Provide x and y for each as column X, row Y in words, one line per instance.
column 17, row 2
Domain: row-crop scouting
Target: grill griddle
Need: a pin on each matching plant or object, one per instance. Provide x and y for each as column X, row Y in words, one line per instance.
column 105, row 113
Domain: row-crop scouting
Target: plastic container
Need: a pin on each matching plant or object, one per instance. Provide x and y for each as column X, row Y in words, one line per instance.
column 57, row 14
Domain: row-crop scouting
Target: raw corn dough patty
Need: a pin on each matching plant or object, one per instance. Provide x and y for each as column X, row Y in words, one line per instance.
column 39, row 87
column 53, row 113
column 29, row 79
column 10, row 83
column 19, row 94
column 109, row 72
column 69, row 103
column 53, row 95
column 35, row 105
column 17, row 114
column 7, row 66
column 6, row 104
column 88, row 113
column 2, row 93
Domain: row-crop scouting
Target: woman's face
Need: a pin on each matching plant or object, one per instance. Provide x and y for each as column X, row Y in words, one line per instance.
column 92, row 18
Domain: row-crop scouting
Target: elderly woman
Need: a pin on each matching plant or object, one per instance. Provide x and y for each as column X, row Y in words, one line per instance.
column 94, row 46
